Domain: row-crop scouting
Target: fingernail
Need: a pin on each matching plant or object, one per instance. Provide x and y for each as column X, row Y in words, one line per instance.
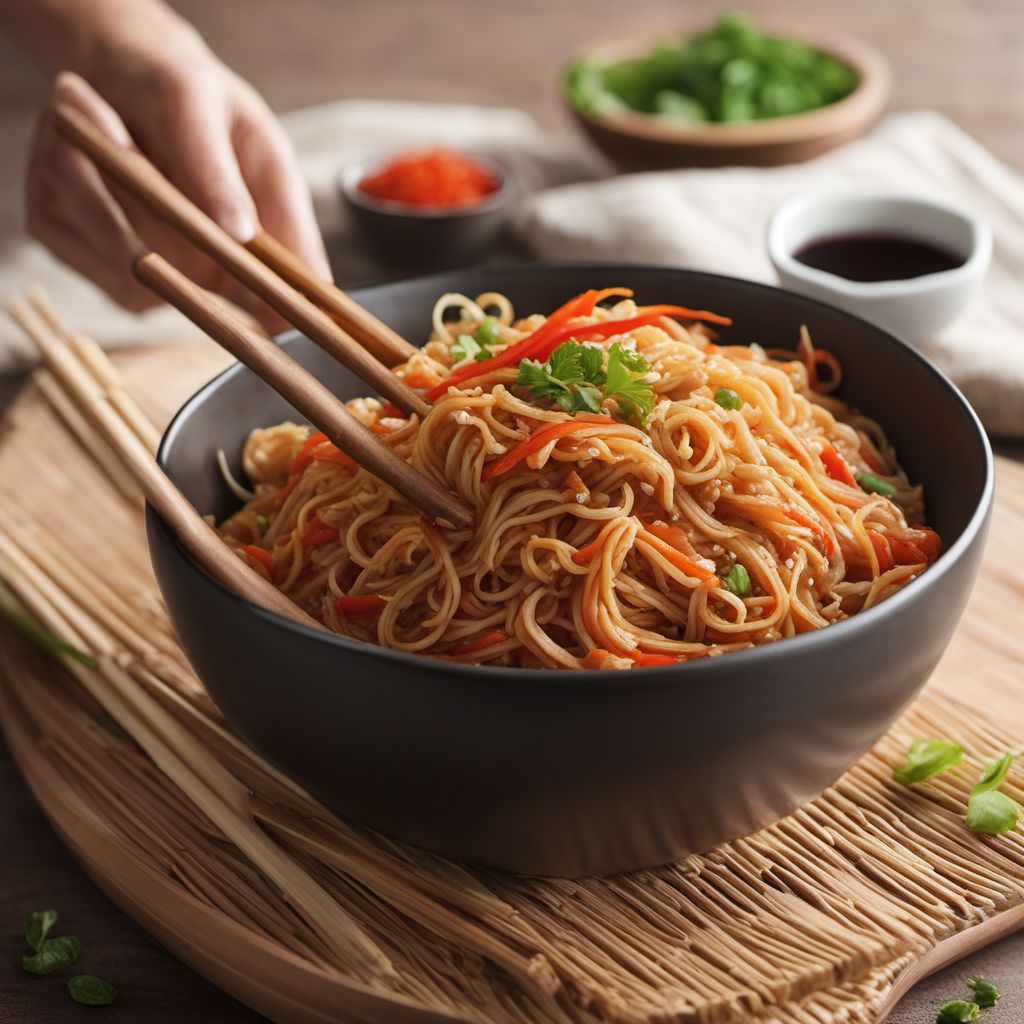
column 239, row 224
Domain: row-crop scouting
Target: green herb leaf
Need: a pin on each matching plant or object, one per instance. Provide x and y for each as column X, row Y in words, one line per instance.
column 91, row 991
column 992, row 813
column 926, row 758
column 993, row 775
column 957, row 1011
column 986, row 995
column 53, row 955
column 41, row 637
column 37, row 925
column 728, row 399
column 263, row 523
column 465, row 347
column 627, row 383
column 571, row 378
column 488, row 333
column 875, row 485
column 737, row 581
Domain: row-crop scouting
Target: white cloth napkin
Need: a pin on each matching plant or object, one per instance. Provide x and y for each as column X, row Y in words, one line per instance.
column 716, row 219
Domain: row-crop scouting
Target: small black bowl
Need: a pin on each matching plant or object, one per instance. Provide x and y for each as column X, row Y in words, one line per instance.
column 582, row 772
column 425, row 237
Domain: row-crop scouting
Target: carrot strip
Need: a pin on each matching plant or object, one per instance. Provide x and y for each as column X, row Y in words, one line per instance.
column 671, row 534
column 882, row 551
column 679, row 560
column 536, row 441
column 318, row 532
column 918, row 546
column 586, row 554
column 596, row 658
column 496, row 636
column 644, row 660
column 260, row 559
column 836, row 467
column 827, row 544
column 360, row 606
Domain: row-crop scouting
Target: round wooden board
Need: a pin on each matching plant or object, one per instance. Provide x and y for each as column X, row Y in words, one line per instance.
column 982, row 667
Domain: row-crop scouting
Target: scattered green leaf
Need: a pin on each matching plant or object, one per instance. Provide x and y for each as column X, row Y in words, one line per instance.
column 957, row 1011
column 986, row 995
column 42, row 638
column 992, row 813
column 489, row 332
column 737, row 581
column 571, row 378
column 263, row 523
column 53, row 955
column 37, row 926
column 91, row 991
column 728, row 399
column 993, row 775
column 874, row 484
column 627, row 383
column 926, row 758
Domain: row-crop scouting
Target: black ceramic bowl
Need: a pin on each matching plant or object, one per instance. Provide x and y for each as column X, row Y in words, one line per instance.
column 425, row 237
column 582, row 772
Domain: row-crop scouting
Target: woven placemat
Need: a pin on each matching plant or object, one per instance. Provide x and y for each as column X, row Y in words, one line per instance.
column 822, row 917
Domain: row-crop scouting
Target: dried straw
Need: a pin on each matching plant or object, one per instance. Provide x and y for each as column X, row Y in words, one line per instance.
column 811, row 920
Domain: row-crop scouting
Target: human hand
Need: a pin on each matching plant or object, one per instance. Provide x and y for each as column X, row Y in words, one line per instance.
column 152, row 80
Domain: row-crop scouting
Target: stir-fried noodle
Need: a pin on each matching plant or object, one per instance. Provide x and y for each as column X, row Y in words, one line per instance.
column 642, row 498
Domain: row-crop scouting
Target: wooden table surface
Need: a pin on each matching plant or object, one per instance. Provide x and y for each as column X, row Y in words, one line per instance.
column 961, row 58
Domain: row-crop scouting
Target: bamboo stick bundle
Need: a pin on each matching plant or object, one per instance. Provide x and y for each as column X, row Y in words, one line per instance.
column 809, row 920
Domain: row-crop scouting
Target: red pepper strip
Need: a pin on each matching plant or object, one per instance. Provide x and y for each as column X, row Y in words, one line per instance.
column 581, row 305
column 586, row 554
column 596, row 658
column 644, row 660
column 360, row 606
column 391, row 411
column 827, row 544
column 683, row 311
column 317, row 532
column 537, row 440
column 497, row 636
column 677, row 558
column 836, row 467
column 260, row 559
column 882, row 551
column 918, row 547
column 603, row 330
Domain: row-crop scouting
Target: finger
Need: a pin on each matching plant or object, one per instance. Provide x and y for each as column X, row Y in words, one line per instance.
column 276, row 183
column 68, row 206
column 195, row 150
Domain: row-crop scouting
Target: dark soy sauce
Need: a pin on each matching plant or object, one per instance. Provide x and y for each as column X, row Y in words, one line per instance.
column 876, row 257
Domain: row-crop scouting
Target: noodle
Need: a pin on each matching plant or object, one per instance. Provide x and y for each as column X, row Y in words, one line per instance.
column 603, row 539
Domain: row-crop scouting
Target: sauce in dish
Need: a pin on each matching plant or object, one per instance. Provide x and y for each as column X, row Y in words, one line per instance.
column 435, row 177
column 876, row 257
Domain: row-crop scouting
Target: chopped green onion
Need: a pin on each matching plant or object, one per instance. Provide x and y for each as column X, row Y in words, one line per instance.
column 926, row 758
column 728, row 399
column 465, row 347
column 988, row 811
column 489, row 332
column 875, row 485
column 263, row 523
column 737, row 581
column 986, row 995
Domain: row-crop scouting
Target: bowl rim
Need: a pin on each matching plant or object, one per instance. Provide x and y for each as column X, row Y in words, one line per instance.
column 804, row 642
column 785, row 261
column 862, row 105
column 356, row 168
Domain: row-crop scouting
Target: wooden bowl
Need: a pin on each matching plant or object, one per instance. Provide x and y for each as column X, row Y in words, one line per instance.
column 638, row 142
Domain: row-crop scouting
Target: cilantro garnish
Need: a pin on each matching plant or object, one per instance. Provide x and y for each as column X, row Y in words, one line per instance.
column 576, row 379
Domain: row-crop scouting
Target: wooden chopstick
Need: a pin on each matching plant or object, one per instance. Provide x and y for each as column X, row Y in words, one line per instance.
column 374, row 335
column 133, row 172
column 311, row 398
column 192, row 530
